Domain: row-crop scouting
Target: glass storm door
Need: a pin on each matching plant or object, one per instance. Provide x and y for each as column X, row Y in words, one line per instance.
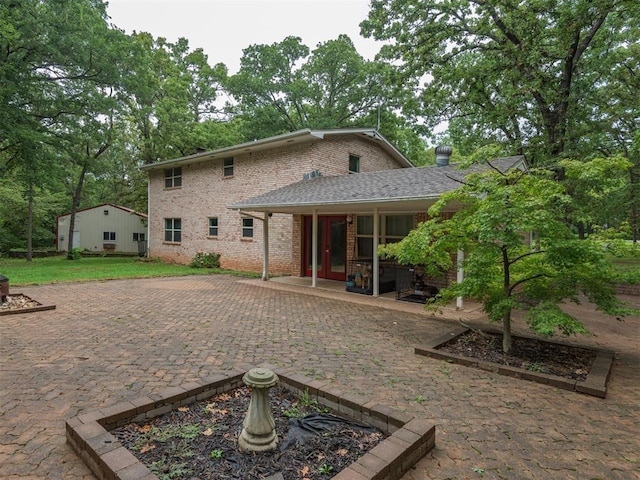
column 332, row 247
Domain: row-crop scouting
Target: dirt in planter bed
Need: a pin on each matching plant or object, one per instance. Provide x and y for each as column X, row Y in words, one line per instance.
column 17, row 302
column 199, row 441
column 527, row 353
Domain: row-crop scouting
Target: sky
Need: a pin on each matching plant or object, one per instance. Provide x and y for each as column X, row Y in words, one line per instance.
column 223, row 28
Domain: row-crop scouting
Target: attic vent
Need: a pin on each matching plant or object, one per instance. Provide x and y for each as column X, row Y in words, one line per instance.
column 443, row 153
column 311, row 174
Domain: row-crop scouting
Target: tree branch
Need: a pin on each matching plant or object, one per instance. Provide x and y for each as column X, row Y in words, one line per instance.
column 533, row 277
column 528, row 254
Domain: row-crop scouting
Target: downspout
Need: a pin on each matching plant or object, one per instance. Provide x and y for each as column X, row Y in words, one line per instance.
column 265, row 247
column 376, row 260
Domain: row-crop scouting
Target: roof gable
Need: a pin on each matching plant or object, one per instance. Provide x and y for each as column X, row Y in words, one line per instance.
column 278, row 141
column 102, row 205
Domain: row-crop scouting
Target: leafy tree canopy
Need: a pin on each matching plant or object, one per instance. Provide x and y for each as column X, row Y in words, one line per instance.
column 284, row 87
column 546, row 78
column 519, row 253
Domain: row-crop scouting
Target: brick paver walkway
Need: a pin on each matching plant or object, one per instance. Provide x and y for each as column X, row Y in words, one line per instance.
column 112, row 341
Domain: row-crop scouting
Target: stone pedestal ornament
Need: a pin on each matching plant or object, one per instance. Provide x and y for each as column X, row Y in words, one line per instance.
column 258, row 432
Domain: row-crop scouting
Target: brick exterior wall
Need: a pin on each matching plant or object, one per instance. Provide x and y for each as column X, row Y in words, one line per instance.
column 205, row 193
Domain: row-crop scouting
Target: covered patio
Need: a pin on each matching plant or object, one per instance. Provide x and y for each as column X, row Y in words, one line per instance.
column 375, row 195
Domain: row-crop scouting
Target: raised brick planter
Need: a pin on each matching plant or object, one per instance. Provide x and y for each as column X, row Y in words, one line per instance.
column 595, row 384
column 410, row 438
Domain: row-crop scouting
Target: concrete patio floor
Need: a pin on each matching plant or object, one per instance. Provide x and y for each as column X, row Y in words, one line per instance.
column 107, row 342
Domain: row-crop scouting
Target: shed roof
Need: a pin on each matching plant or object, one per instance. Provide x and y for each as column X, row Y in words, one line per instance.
column 102, row 205
column 299, row 136
column 406, row 189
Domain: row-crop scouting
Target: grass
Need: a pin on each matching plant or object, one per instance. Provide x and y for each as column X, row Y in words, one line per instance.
column 47, row 270
column 627, row 268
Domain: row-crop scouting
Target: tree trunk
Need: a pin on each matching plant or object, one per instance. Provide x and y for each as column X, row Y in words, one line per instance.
column 506, row 316
column 74, row 207
column 30, row 224
column 506, row 331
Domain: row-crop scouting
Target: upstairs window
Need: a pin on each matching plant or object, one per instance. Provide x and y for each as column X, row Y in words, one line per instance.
column 172, row 230
column 247, row 227
column 354, row 164
column 173, row 177
column 227, row 167
column 213, row 226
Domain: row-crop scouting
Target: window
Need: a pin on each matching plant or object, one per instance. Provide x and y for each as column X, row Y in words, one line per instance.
column 396, row 227
column 138, row 237
column 173, row 177
column 364, row 236
column 227, row 167
column 213, row 226
column 247, row 227
column 354, row 164
column 172, row 229
column 109, row 236
column 393, row 228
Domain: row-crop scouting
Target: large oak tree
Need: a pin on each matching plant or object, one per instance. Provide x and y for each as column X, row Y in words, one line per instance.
column 542, row 76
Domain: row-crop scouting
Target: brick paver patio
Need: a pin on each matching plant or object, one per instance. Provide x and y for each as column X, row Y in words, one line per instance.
column 112, row 341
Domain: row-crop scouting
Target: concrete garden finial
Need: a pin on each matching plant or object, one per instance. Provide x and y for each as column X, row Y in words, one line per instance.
column 259, row 432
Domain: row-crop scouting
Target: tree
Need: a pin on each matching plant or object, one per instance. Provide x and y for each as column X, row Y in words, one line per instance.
column 284, row 87
column 543, row 77
column 170, row 95
column 52, row 55
column 599, row 189
column 503, row 269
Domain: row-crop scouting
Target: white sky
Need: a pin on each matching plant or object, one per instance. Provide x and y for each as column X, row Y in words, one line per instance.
column 223, row 28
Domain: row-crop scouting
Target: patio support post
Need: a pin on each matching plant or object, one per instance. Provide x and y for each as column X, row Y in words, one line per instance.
column 314, row 249
column 265, row 247
column 460, row 277
column 376, row 260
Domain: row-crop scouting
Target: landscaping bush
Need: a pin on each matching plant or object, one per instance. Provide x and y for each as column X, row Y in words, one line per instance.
column 206, row 260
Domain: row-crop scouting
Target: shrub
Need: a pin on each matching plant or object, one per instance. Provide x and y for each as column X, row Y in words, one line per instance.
column 75, row 253
column 206, row 260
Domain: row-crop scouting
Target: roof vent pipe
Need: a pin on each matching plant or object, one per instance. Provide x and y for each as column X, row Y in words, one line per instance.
column 443, row 153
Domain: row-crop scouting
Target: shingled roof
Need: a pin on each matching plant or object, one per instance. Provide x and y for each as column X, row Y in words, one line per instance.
column 390, row 190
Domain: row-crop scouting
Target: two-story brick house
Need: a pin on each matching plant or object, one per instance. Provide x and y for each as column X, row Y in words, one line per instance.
column 188, row 197
column 307, row 203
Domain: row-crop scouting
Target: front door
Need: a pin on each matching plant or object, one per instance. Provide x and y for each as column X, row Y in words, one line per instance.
column 332, row 247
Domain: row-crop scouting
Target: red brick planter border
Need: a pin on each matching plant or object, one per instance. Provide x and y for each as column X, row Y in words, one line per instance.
column 38, row 308
column 410, row 438
column 595, row 384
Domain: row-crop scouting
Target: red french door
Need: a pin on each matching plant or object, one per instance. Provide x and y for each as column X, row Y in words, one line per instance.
column 332, row 247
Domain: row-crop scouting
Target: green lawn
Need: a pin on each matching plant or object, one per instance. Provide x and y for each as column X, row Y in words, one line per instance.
column 41, row 271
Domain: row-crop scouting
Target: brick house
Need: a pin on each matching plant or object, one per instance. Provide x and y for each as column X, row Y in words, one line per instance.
column 318, row 197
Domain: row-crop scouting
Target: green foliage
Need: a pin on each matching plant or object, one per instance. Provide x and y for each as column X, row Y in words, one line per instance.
column 206, row 260
column 503, row 268
column 303, row 407
column 75, row 253
column 216, row 454
column 284, row 87
column 166, row 471
column 545, row 78
column 325, row 469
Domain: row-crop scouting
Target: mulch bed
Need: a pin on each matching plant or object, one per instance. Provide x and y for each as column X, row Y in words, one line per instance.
column 17, row 302
column 199, row 441
column 527, row 353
